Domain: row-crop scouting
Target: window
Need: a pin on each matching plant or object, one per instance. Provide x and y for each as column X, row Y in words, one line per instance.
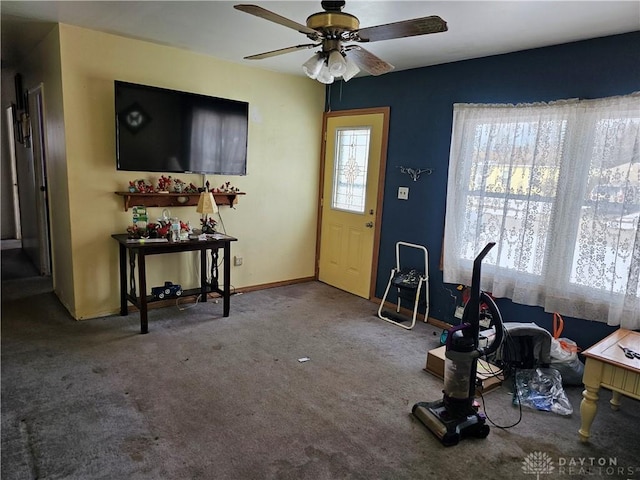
column 350, row 175
column 557, row 187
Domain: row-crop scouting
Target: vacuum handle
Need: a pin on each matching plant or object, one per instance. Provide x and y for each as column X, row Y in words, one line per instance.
column 497, row 321
column 470, row 314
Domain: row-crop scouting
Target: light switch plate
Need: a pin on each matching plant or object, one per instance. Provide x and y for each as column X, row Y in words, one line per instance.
column 403, row 193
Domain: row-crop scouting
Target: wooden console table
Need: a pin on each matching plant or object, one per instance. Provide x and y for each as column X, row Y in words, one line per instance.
column 140, row 249
column 606, row 366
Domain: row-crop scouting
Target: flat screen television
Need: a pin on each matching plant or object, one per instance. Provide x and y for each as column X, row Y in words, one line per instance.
column 161, row 130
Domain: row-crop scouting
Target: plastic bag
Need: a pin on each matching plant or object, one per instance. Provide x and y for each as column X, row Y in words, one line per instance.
column 541, row 389
column 564, row 355
column 571, row 372
column 563, row 350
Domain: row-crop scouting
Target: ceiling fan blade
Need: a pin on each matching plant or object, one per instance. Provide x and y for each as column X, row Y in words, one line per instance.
column 281, row 51
column 367, row 61
column 280, row 20
column 406, row 28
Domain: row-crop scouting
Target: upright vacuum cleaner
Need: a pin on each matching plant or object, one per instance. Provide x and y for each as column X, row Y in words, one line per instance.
column 456, row 416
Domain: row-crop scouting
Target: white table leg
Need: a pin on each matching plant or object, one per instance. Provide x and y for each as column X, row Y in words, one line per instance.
column 615, row 400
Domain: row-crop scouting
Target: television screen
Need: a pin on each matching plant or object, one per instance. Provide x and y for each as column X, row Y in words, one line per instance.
column 160, row 130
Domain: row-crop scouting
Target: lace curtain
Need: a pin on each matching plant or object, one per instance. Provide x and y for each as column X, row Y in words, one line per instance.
column 557, row 187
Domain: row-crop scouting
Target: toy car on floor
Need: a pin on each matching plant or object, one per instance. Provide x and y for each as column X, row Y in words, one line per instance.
column 169, row 290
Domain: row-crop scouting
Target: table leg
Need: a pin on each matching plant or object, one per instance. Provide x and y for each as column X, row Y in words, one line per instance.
column 123, row 280
column 591, row 378
column 588, row 409
column 132, row 273
column 203, row 275
column 214, row 269
column 227, row 280
column 142, row 285
column 615, row 400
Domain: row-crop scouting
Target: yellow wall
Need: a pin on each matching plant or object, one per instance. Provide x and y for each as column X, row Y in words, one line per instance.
column 275, row 221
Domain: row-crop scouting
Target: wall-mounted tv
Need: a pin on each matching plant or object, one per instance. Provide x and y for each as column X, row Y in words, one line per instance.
column 161, row 130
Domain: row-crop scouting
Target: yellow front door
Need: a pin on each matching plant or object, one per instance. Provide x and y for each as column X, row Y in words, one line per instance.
column 354, row 160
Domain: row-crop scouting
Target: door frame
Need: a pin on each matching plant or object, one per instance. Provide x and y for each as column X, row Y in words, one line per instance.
column 39, row 151
column 386, row 112
column 11, row 115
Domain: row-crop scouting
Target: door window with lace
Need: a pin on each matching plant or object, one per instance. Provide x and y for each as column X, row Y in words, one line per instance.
column 350, row 169
column 557, row 187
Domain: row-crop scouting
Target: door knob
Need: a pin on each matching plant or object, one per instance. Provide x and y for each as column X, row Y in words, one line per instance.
column 369, row 224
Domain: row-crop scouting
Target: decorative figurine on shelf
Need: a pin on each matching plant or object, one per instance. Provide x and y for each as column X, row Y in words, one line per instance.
column 178, row 185
column 191, row 188
column 140, row 186
column 164, row 184
column 227, row 188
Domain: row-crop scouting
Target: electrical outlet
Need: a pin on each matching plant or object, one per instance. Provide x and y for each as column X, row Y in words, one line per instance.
column 403, row 193
column 237, row 261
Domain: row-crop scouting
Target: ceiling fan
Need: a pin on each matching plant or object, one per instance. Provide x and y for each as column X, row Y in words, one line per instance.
column 333, row 28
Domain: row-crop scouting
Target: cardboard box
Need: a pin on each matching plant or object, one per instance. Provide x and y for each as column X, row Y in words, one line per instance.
column 488, row 375
column 435, row 362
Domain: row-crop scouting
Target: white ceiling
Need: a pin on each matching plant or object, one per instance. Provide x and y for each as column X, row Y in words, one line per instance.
column 215, row 28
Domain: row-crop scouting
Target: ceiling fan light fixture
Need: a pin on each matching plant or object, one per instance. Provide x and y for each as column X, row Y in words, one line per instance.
column 313, row 66
column 331, row 28
column 351, row 71
column 337, row 63
column 325, row 76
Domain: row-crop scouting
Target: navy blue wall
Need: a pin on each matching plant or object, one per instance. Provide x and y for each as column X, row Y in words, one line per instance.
column 421, row 102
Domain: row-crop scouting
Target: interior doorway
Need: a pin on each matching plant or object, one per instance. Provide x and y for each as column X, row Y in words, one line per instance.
column 12, row 216
column 353, row 165
column 37, row 244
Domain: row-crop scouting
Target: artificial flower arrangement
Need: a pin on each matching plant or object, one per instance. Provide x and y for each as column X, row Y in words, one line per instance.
column 134, row 231
column 164, row 183
column 140, row 186
column 158, row 230
column 208, row 225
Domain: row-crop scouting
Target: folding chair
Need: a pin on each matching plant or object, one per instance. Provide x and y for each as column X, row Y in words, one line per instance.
column 409, row 283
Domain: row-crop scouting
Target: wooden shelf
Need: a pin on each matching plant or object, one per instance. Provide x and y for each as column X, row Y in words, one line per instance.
column 174, row 199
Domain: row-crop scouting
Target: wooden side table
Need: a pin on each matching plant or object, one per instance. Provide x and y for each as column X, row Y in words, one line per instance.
column 141, row 249
column 606, row 366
